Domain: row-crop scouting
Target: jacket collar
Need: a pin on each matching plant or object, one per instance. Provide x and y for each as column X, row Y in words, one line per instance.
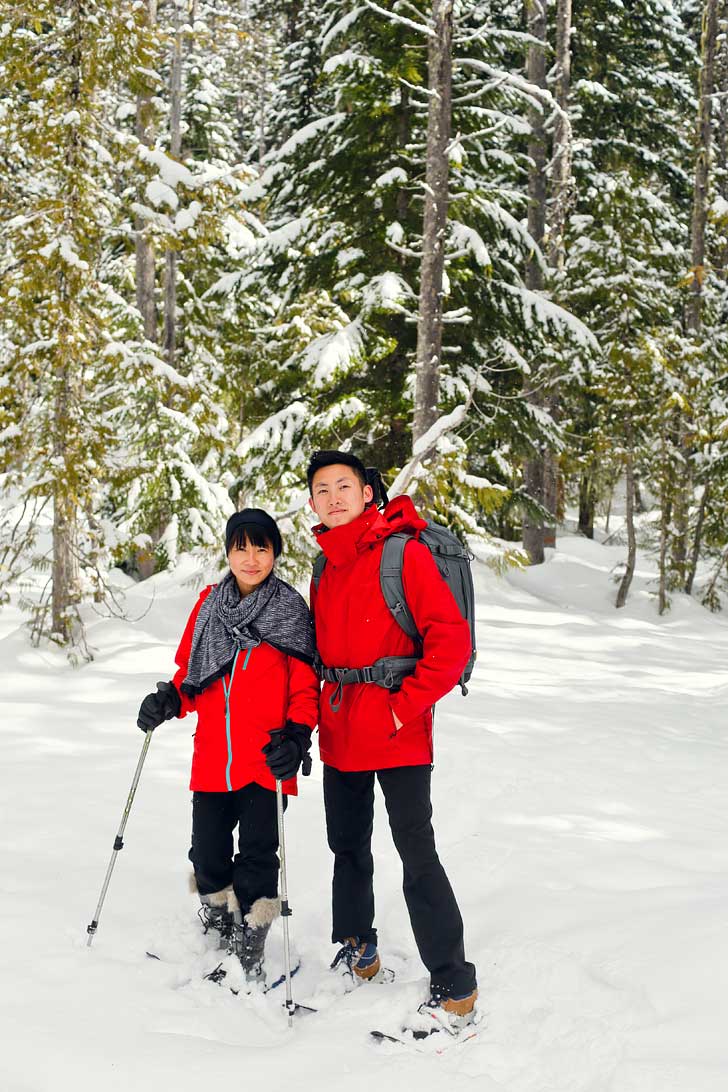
column 342, row 544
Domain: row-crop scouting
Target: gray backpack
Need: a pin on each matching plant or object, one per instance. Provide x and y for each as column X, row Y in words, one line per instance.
column 453, row 562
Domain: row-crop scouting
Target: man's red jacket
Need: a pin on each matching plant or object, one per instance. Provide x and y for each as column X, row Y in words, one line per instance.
column 267, row 689
column 354, row 627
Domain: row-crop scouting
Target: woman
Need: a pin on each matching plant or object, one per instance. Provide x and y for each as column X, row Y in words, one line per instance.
column 244, row 666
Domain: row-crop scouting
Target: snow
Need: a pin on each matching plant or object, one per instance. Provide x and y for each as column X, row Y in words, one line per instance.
column 171, row 172
column 159, row 193
column 333, row 353
column 580, row 808
column 390, row 178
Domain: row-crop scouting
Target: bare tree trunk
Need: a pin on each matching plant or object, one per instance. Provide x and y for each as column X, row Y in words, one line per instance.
column 429, row 321
column 702, row 165
column 631, row 539
column 562, row 183
column 665, row 518
column 175, row 149
column 534, row 472
column 262, row 106
column 684, row 484
column 695, row 554
column 64, row 565
column 586, row 506
column 143, row 244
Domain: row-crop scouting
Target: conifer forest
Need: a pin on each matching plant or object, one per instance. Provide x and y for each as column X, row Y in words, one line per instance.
column 484, row 245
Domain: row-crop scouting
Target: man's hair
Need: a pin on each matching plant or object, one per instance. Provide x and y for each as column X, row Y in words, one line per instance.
column 320, row 459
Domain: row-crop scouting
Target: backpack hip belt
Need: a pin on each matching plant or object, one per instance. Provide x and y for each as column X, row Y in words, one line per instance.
column 388, row 672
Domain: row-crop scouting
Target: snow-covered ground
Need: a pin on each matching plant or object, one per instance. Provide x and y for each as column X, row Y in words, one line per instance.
column 581, row 811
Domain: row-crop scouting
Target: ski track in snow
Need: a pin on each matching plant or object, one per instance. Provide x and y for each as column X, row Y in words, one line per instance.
column 580, row 807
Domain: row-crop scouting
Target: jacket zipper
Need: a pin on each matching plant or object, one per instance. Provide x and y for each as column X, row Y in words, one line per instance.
column 226, row 690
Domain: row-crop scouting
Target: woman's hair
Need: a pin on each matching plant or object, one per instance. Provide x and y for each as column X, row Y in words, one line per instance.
column 255, row 526
column 248, row 533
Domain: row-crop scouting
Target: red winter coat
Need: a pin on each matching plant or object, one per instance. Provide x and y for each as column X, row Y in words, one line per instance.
column 354, row 627
column 268, row 688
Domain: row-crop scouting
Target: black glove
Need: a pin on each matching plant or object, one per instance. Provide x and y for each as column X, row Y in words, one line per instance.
column 287, row 750
column 163, row 704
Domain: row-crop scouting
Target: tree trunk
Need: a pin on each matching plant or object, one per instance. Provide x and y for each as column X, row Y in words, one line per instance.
column 721, row 143
column 562, row 183
column 695, row 553
column 586, row 506
column 534, row 471
column 665, row 518
column 143, row 244
column 64, row 565
column 429, row 321
column 631, row 540
column 175, row 149
column 702, row 164
column 684, row 485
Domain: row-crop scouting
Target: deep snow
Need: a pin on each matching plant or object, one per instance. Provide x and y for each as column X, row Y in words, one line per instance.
column 580, row 806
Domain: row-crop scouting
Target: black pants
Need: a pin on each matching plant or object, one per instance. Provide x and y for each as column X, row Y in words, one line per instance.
column 253, row 871
column 434, row 914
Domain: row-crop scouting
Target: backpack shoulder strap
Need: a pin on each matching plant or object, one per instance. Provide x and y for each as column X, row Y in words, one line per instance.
column 390, row 579
column 318, row 568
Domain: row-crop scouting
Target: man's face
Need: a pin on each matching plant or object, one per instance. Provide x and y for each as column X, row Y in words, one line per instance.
column 337, row 495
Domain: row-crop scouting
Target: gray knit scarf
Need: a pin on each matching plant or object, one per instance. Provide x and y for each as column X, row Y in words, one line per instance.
column 227, row 622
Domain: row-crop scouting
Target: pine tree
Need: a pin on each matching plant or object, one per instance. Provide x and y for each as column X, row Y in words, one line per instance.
column 56, row 69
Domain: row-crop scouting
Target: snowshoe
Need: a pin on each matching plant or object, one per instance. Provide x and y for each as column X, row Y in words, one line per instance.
column 442, row 1019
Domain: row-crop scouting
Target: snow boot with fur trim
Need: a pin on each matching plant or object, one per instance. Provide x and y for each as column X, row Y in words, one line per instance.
column 357, row 959
column 249, row 937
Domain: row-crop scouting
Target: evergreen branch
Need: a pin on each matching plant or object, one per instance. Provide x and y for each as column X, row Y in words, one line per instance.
column 421, row 28
column 539, row 97
column 427, row 444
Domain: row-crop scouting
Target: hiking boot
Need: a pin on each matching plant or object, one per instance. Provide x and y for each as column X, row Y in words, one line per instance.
column 359, row 959
column 452, row 1011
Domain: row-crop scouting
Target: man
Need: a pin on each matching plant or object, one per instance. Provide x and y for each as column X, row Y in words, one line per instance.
column 367, row 731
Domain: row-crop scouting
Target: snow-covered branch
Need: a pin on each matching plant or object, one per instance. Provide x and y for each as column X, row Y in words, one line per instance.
column 426, row 444
column 421, row 28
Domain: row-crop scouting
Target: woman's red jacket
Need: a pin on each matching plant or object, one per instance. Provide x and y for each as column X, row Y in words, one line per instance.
column 267, row 689
column 354, row 627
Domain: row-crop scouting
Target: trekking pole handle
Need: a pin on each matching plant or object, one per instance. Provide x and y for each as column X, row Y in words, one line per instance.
column 119, row 840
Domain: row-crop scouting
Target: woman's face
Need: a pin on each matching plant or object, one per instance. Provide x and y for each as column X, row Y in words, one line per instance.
column 250, row 564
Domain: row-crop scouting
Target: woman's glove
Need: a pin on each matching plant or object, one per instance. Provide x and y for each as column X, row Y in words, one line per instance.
column 163, row 704
column 288, row 749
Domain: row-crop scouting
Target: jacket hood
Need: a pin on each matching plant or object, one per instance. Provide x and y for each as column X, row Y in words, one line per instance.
column 342, row 544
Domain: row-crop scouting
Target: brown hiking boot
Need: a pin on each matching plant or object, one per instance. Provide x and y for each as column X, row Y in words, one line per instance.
column 361, row 960
column 459, row 1006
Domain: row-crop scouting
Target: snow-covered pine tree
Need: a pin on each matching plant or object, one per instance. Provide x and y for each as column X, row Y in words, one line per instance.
column 57, row 63
column 632, row 100
column 170, row 493
column 344, row 238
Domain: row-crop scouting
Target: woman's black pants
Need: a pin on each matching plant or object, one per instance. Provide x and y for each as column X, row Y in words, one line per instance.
column 253, row 870
column 433, row 911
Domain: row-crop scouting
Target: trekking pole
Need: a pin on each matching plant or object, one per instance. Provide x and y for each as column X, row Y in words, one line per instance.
column 118, row 841
column 285, row 909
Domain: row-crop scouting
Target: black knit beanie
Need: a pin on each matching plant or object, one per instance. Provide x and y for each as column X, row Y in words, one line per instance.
column 253, row 520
